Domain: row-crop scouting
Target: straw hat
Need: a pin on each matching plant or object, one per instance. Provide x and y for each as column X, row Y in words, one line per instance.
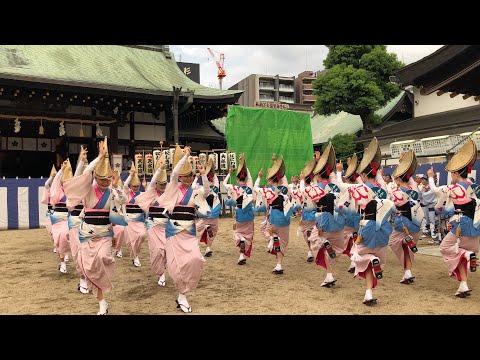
column 162, row 159
column 328, row 160
column 277, row 170
column 371, row 156
column 103, row 170
column 352, row 166
column 177, row 156
column 465, row 156
column 242, row 165
column 162, row 178
column 308, row 169
column 67, row 173
column 120, row 182
column 135, row 180
column 407, row 165
column 210, row 164
column 53, row 172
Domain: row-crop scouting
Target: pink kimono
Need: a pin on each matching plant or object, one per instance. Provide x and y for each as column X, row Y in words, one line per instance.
column 46, row 200
column 135, row 232
column 59, row 216
column 156, row 221
column 185, row 262
column 95, row 256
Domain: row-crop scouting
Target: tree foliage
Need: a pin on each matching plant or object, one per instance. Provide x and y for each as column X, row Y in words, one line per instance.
column 356, row 81
column 344, row 145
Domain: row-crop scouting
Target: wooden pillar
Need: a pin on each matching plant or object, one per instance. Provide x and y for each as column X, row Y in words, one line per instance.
column 113, row 144
column 132, row 135
column 168, row 126
column 176, row 96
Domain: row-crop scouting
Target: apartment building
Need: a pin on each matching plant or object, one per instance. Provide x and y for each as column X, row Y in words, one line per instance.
column 266, row 88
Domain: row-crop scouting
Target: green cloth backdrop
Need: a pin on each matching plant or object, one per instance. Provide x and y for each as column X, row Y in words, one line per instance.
column 259, row 133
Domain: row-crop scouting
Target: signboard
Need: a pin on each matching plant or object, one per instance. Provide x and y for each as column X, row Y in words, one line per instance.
column 191, row 70
column 271, row 105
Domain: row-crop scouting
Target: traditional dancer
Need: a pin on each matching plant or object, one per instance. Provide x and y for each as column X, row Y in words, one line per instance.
column 370, row 250
column 46, row 200
column 185, row 262
column 309, row 208
column 329, row 241
column 352, row 218
column 102, row 201
column 119, row 229
column 60, row 214
column 242, row 197
column 74, row 222
column 135, row 232
column 156, row 219
column 408, row 217
column 462, row 198
column 207, row 227
column 280, row 211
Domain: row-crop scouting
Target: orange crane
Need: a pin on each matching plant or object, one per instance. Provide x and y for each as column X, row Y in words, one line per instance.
column 221, row 71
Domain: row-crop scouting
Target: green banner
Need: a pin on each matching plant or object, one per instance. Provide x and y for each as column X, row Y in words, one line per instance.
column 259, row 133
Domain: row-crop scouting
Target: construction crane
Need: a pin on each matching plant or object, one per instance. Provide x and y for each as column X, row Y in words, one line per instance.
column 221, row 71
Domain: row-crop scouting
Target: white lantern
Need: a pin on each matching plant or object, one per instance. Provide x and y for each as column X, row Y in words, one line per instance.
column 223, row 161
column 191, row 160
column 172, row 152
column 149, row 164
column 232, row 157
column 202, row 159
column 139, row 163
column 167, row 158
column 156, row 155
column 215, row 161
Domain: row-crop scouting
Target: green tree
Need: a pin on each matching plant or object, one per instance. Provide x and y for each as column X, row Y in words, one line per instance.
column 344, row 145
column 356, row 81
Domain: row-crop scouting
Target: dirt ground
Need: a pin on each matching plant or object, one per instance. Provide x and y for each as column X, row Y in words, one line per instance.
column 32, row 284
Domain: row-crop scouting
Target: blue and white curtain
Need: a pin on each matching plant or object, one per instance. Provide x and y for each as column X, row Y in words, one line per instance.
column 20, row 206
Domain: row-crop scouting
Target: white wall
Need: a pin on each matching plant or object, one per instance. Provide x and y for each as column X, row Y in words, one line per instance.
column 432, row 104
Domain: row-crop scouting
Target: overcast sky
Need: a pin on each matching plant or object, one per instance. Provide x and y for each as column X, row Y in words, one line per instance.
column 286, row 60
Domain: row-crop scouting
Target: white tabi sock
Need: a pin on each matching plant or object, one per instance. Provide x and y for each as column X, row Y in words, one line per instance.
column 83, row 283
column 368, row 294
column 408, row 274
column 329, row 277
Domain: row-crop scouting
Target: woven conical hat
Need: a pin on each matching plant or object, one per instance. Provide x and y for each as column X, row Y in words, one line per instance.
column 161, row 158
column 53, row 172
column 162, row 178
column 67, row 174
column 352, row 166
column 371, row 155
column 187, row 167
column 135, row 180
column 408, row 165
column 242, row 165
column 465, row 156
column 328, row 158
column 103, row 169
column 277, row 170
column 210, row 164
column 308, row 169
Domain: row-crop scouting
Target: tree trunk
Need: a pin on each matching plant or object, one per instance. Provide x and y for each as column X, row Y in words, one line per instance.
column 367, row 123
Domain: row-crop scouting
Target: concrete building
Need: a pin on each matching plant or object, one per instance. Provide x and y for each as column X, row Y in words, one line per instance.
column 304, row 88
column 260, row 88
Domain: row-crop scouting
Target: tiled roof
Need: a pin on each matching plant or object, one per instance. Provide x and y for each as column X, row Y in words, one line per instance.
column 114, row 67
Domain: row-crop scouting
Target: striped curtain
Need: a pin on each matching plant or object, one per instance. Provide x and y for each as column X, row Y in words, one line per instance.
column 20, row 206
